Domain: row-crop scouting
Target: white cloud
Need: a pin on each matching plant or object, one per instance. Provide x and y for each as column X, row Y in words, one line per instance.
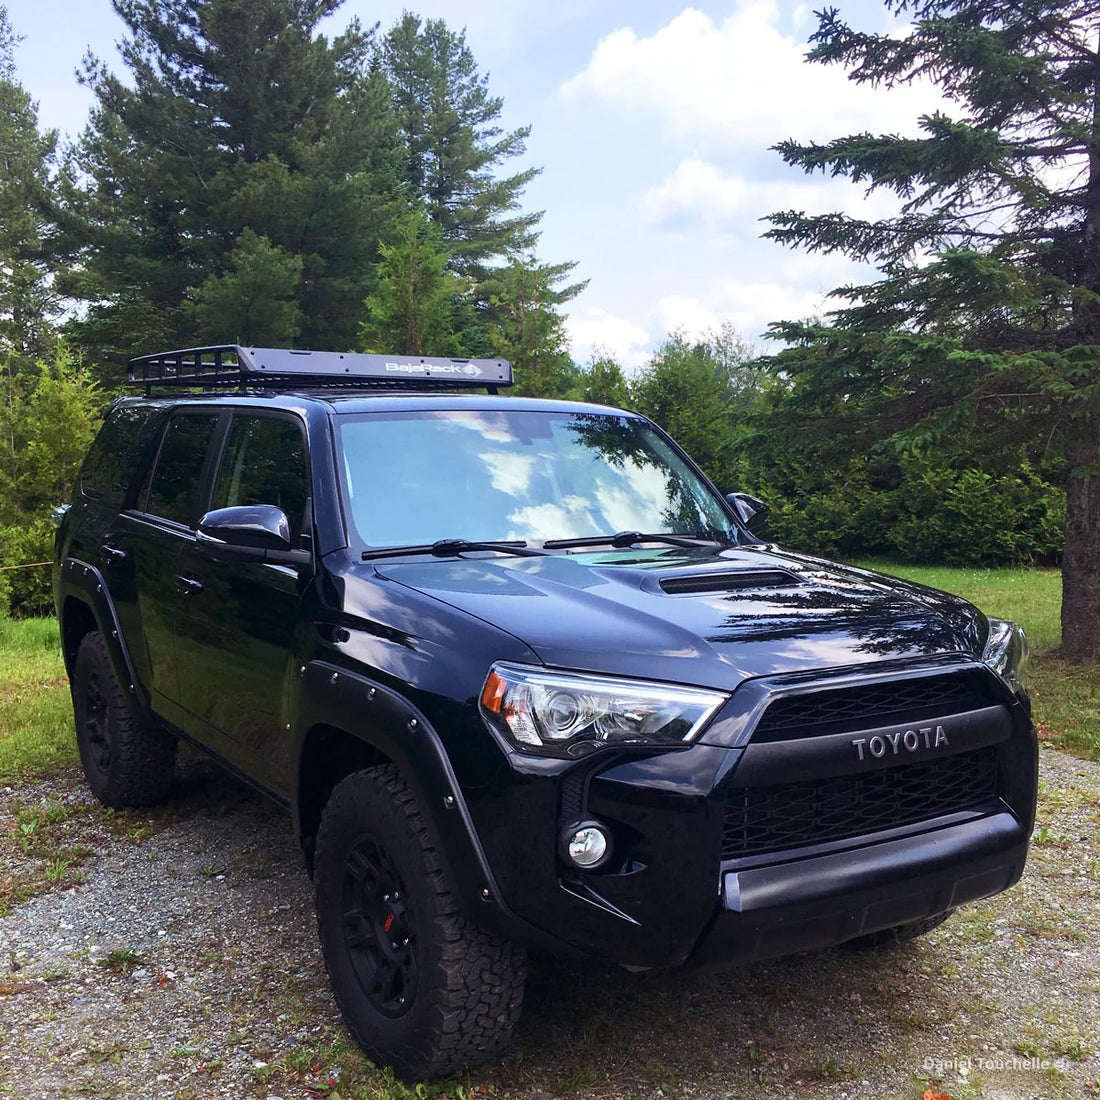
column 748, row 306
column 687, row 315
column 697, row 190
column 593, row 331
column 698, row 193
column 740, row 83
column 752, row 306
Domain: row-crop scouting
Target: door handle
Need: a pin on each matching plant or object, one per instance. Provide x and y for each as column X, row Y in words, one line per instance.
column 112, row 555
column 189, row 585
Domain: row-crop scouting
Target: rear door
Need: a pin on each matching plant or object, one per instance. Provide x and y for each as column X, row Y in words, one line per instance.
column 236, row 638
column 141, row 551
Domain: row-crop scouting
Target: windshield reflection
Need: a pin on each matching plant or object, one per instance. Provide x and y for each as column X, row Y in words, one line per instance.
column 415, row 477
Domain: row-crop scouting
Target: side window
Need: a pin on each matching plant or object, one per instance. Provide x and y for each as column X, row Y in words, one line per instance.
column 265, row 463
column 177, row 481
column 116, row 456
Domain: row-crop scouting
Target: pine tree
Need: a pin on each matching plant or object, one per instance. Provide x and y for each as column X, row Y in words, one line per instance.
column 27, row 301
column 454, row 145
column 412, row 310
column 989, row 301
column 236, row 117
column 526, row 327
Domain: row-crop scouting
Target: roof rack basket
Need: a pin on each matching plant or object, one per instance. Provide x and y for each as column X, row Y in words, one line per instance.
column 230, row 365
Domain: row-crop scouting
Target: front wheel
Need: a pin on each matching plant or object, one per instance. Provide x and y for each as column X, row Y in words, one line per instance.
column 421, row 988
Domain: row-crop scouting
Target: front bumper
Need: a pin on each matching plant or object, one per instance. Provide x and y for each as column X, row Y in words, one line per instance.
column 677, row 894
column 825, row 900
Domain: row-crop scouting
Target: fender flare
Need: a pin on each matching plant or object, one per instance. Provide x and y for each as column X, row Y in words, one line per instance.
column 86, row 583
column 387, row 722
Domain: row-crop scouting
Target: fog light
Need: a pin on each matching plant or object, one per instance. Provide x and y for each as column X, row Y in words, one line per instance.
column 588, row 846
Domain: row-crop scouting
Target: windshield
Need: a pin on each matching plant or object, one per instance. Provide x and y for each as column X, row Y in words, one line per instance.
column 413, row 478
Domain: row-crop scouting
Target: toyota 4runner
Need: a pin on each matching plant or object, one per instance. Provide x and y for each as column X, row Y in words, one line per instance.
column 523, row 679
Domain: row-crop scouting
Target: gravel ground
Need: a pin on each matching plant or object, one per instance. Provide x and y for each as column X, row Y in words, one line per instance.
column 173, row 953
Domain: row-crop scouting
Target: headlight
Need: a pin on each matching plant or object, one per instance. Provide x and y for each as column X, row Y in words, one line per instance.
column 1006, row 653
column 570, row 714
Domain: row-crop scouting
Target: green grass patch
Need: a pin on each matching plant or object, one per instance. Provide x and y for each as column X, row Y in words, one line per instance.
column 1065, row 698
column 36, row 714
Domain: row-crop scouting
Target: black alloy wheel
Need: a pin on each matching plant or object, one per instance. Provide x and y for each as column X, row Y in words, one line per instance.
column 379, row 930
column 97, row 724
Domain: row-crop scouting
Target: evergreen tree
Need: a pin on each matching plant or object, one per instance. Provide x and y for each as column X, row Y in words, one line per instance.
column 412, row 310
column 526, row 328
column 603, row 383
column 26, row 225
column 989, row 304
column 256, row 295
column 454, row 145
column 236, row 117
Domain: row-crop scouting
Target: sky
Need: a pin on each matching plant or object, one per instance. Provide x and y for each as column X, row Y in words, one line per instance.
column 652, row 124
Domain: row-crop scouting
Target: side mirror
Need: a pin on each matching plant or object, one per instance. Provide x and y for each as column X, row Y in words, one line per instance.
column 753, row 512
column 250, row 532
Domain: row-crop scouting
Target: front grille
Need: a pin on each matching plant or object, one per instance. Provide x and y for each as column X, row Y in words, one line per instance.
column 793, row 815
column 891, row 702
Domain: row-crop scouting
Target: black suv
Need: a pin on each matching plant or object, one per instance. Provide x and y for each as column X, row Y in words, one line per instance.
column 524, row 679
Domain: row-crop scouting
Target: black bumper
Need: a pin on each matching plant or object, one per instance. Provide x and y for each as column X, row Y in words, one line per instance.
column 828, row 899
column 693, row 885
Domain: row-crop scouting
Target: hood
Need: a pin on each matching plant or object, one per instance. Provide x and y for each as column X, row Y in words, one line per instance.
column 698, row 616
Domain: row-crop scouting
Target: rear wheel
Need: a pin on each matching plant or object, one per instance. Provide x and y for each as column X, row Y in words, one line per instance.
column 421, row 987
column 900, row 933
column 126, row 762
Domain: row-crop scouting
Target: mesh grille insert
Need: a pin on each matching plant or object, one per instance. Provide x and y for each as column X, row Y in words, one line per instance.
column 867, row 705
column 794, row 815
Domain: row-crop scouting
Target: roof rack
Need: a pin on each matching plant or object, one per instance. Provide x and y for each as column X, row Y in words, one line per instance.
column 281, row 368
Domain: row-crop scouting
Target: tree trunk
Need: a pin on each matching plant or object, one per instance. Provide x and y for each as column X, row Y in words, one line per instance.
column 1081, row 561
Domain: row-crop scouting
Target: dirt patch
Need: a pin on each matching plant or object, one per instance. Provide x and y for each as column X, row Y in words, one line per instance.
column 180, row 960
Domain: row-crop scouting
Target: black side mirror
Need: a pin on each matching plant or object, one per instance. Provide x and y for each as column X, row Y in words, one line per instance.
column 753, row 512
column 250, row 532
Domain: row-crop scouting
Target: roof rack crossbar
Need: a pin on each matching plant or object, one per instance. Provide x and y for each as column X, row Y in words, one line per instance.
column 224, row 365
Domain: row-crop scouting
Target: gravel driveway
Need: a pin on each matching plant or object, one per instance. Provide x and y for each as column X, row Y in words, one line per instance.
column 173, row 954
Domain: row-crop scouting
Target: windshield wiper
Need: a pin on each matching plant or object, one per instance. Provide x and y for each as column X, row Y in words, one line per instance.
column 625, row 539
column 451, row 548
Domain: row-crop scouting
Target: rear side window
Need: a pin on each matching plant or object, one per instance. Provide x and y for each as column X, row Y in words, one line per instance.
column 176, row 486
column 116, row 456
column 265, row 463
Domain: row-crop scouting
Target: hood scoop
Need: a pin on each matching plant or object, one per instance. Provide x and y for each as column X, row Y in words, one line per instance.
column 697, row 584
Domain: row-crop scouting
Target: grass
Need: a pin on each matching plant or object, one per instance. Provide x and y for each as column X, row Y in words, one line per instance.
column 36, row 715
column 1065, row 698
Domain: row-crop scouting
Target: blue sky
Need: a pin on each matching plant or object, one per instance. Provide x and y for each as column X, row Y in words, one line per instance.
column 651, row 122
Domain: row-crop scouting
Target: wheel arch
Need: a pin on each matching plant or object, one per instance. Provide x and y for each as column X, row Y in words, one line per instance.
column 328, row 755
column 77, row 621
column 363, row 722
column 85, row 603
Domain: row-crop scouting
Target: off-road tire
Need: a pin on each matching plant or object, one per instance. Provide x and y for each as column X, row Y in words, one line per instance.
column 901, row 933
column 125, row 761
column 440, row 993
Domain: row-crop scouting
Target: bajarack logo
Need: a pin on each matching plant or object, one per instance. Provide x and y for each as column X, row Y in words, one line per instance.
column 928, row 737
column 467, row 369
